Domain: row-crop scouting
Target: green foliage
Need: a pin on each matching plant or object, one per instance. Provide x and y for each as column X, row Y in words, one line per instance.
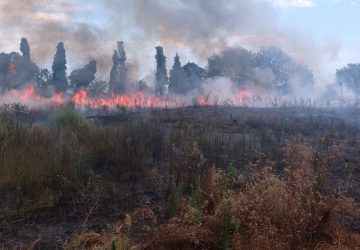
column 232, row 171
column 197, row 199
column 175, row 199
column 69, row 119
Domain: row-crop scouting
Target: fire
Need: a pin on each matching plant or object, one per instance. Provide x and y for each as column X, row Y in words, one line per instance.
column 82, row 98
column 203, row 100
column 12, row 68
column 137, row 99
column 28, row 93
column 241, row 96
column 30, row 96
column 57, row 98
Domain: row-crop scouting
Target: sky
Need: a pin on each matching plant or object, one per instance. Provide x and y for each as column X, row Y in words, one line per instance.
column 326, row 20
column 321, row 33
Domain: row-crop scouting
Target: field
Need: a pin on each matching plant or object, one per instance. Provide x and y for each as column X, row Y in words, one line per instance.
column 184, row 178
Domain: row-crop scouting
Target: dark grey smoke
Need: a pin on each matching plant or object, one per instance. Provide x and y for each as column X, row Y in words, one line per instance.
column 4, row 65
column 118, row 74
column 270, row 68
column 15, row 70
column 194, row 76
column 204, row 26
column 59, row 79
column 176, row 77
column 44, row 23
column 287, row 72
column 161, row 72
column 185, row 79
column 24, row 48
column 82, row 78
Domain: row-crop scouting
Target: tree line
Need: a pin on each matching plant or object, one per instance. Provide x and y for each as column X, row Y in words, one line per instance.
column 269, row 68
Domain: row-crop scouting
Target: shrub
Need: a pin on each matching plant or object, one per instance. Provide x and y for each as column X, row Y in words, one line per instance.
column 69, row 119
column 271, row 211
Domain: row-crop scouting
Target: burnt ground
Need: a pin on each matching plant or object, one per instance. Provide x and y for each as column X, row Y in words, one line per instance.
column 102, row 210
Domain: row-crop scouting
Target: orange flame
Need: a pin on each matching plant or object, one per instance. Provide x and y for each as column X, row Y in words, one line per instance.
column 30, row 96
column 138, row 99
column 202, row 100
column 241, row 96
column 12, row 68
column 28, row 93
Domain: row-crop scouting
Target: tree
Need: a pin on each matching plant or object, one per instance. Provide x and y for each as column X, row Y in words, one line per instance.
column 81, row 78
column 43, row 77
column 176, row 77
column 16, row 70
column 118, row 74
column 97, row 88
column 194, row 75
column 143, row 86
column 59, row 79
column 25, row 48
column 238, row 65
column 286, row 71
column 214, row 67
column 234, row 63
column 270, row 68
column 349, row 76
column 161, row 72
column 4, row 63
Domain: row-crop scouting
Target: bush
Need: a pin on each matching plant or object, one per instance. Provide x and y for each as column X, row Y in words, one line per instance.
column 69, row 119
column 269, row 212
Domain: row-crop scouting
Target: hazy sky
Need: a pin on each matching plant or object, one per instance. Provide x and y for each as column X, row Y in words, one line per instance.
column 322, row 33
column 326, row 20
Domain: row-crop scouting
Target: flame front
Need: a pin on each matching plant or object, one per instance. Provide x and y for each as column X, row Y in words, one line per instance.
column 82, row 98
column 28, row 93
column 138, row 99
column 31, row 97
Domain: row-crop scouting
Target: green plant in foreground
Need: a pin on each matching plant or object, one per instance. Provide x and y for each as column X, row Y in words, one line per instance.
column 232, row 171
column 226, row 235
column 175, row 198
column 70, row 119
column 197, row 199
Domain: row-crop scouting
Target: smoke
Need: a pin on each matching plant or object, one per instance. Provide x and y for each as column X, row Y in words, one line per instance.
column 45, row 23
column 194, row 28
column 208, row 26
column 204, row 26
column 29, row 96
column 219, row 89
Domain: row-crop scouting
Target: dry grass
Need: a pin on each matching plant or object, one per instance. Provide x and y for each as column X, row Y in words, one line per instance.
column 269, row 212
column 283, row 203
